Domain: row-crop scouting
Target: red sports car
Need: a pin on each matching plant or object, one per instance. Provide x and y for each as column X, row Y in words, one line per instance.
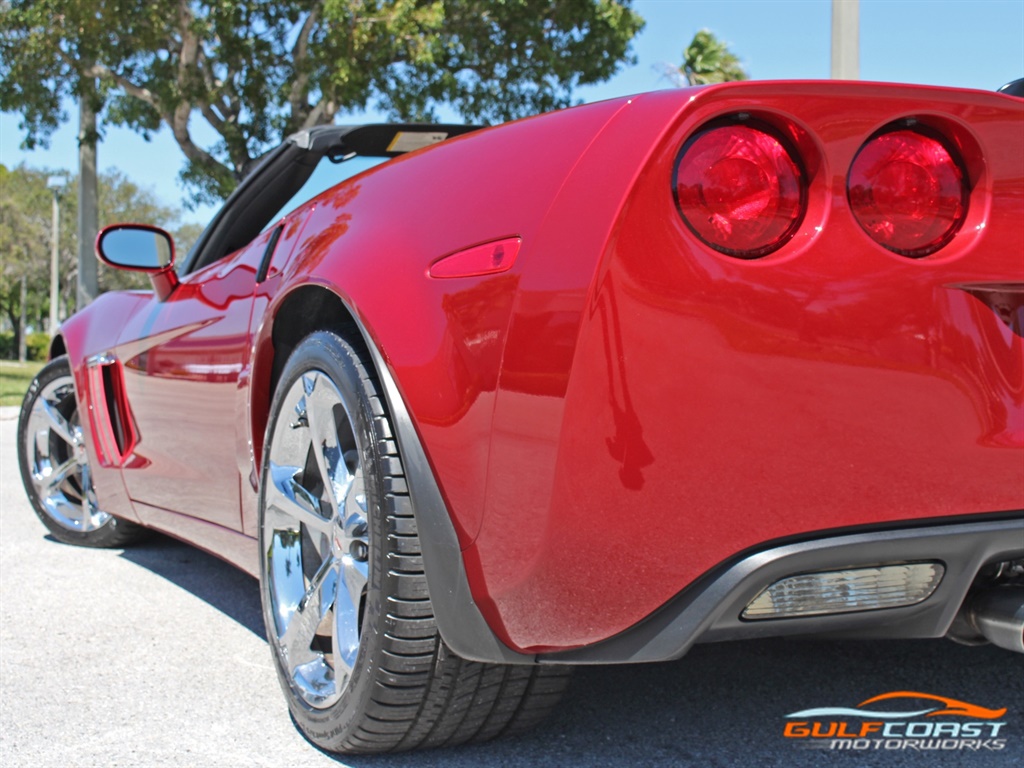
column 479, row 405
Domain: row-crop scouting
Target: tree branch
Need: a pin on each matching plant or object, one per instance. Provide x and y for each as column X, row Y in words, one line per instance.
column 101, row 71
column 179, row 117
column 322, row 113
column 300, row 53
column 212, row 117
column 189, row 54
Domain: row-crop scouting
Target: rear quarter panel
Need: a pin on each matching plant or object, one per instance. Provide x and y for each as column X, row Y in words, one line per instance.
column 706, row 405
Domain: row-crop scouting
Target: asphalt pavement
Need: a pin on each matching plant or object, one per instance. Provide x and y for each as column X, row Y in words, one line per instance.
column 155, row 656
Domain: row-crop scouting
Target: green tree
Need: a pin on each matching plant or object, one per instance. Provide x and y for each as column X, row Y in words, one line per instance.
column 256, row 71
column 185, row 236
column 49, row 52
column 708, row 60
column 25, row 238
column 25, row 210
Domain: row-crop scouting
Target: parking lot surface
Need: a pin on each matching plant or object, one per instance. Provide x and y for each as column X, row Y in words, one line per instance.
column 155, row 656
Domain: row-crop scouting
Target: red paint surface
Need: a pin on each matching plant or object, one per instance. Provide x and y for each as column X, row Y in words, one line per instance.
column 712, row 403
column 625, row 408
column 183, row 362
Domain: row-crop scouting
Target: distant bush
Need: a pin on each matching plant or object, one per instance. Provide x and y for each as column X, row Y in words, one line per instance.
column 37, row 346
column 7, row 349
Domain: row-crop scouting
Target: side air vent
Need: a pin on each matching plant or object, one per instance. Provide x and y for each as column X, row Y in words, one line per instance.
column 114, row 427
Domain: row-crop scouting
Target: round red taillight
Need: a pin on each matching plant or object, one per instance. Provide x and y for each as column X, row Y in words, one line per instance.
column 908, row 191
column 740, row 189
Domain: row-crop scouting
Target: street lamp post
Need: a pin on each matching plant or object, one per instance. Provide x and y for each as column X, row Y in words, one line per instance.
column 845, row 39
column 55, row 184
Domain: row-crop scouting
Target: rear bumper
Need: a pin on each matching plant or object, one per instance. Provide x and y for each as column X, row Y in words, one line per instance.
column 710, row 609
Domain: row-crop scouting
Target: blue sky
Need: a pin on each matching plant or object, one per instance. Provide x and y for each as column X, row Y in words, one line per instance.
column 969, row 44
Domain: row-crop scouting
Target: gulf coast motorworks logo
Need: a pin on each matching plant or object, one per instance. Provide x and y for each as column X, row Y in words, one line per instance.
column 942, row 724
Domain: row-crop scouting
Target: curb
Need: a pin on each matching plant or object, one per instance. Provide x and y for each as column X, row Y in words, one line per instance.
column 9, row 412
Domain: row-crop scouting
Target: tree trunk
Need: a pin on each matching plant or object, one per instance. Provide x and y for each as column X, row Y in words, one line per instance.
column 88, row 195
column 20, row 330
column 12, row 320
column 54, row 266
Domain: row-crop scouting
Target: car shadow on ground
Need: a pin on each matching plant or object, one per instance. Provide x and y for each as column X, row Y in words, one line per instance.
column 231, row 591
column 725, row 705
column 721, row 705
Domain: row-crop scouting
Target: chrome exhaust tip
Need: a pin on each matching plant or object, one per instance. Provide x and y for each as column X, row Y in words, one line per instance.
column 998, row 613
column 994, row 614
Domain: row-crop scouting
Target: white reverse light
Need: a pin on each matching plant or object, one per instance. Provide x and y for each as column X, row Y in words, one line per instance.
column 854, row 589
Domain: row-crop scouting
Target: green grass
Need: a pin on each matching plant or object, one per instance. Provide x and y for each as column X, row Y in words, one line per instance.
column 14, row 380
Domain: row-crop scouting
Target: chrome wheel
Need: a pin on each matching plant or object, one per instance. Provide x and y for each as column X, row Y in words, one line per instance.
column 345, row 600
column 58, row 467
column 316, row 542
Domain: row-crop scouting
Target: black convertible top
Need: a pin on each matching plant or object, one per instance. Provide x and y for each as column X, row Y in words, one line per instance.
column 1014, row 88
column 282, row 171
column 375, row 139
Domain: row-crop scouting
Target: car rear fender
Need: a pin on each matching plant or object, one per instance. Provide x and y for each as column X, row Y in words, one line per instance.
column 315, row 306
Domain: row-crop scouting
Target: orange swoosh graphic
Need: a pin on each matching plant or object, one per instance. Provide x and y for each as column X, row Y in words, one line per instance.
column 952, row 706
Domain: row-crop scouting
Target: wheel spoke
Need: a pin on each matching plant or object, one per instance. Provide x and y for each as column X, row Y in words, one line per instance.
column 323, row 434
column 57, row 475
column 319, row 598
column 88, row 498
column 284, row 569
column 354, row 574
column 354, row 571
column 41, row 443
column 293, row 502
column 56, row 422
column 355, row 507
column 346, row 614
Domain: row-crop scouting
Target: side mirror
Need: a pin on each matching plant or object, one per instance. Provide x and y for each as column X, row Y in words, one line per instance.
column 140, row 248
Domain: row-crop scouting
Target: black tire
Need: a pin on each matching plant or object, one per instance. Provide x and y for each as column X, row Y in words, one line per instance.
column 54, row 467
column 406, row 689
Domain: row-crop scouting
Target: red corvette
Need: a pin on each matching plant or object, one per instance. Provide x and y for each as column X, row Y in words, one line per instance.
column 591, row 387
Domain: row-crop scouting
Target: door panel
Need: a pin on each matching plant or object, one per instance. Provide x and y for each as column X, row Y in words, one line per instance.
column 183, row 364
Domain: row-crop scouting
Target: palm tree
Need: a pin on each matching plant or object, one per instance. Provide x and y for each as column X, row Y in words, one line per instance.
column 708, row 60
